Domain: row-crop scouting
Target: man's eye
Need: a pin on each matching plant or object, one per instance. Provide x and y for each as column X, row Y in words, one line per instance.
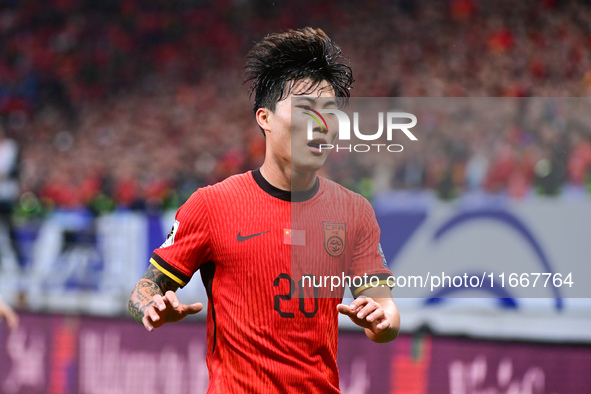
column 306, row 107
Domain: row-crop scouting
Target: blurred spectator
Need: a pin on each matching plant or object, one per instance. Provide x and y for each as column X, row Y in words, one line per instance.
column 127, row 104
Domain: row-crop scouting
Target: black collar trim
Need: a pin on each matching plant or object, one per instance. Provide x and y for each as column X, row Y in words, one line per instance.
column 285, row 195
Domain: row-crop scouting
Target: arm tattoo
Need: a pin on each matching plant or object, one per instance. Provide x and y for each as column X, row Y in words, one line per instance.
column 151, row 283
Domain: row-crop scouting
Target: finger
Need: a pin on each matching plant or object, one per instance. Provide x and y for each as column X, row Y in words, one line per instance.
column 345, row 309
column 376, row 315
column 147, row 323
column 367, row 309
column 171, row 297
column 152, row 313
column 358, row 303
column 383, row 325
column 194, row 308
column 159, row 301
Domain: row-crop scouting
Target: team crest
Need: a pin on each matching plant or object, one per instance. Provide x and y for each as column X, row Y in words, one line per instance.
column 170, row 238
column 334, row 238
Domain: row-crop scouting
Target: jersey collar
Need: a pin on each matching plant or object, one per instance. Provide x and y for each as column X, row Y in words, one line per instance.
column 284, row 195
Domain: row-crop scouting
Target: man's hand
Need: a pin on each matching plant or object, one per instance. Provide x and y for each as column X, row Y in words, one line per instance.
column 167, row 309
column 153, row 301
column 366, row 313
column 378, row 315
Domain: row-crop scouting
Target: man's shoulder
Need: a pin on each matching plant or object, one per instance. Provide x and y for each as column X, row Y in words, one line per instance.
column 235, row 181
column 336, row 190
column 235, row 184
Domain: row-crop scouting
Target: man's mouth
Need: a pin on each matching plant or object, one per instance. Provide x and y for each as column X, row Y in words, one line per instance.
column 315, row 145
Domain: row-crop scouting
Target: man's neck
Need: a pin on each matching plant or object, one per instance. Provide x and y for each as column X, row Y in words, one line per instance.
column 286, row 179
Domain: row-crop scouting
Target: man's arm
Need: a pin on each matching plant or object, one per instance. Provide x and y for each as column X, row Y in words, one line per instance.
column 8, row 313
column 375, row 311
column 153, row 301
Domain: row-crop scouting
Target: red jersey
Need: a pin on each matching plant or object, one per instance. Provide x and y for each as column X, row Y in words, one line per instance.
column 268, row 330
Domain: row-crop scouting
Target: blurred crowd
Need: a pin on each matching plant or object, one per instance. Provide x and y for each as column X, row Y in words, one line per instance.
column 135, row 104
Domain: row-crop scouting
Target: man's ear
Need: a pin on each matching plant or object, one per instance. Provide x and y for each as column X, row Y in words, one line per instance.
column 263, row 119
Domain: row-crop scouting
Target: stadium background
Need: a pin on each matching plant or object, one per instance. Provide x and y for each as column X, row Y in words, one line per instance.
column 122, row 108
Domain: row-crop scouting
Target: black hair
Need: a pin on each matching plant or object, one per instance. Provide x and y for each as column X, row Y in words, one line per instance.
column 280, row 59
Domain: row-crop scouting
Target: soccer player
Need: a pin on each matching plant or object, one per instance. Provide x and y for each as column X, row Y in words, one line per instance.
column 254, row 236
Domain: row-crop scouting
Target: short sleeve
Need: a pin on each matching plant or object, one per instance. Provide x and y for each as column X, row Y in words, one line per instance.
column 367, row 260
column 187, row 245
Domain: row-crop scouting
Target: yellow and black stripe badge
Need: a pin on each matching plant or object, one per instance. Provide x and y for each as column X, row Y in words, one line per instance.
column 334, row 238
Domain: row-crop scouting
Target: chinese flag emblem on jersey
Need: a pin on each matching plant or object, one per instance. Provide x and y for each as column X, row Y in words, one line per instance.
column 294, row 237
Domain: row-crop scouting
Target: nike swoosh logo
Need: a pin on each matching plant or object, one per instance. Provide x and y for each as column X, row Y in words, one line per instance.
column 240, row 238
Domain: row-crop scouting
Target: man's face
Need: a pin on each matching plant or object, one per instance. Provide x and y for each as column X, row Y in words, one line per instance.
column 288, row 139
